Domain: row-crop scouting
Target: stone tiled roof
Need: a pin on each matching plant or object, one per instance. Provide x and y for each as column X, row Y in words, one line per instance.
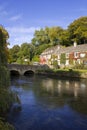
column 78, row 48
column 60, row 49
column 51, row 50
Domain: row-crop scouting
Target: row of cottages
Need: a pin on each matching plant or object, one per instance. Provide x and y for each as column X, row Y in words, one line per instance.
column 65, row 55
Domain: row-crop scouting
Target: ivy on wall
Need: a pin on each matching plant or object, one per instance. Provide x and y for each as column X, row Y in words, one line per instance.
column 63, row 58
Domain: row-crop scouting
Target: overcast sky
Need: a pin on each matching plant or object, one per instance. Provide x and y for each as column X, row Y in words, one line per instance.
column 22, row 17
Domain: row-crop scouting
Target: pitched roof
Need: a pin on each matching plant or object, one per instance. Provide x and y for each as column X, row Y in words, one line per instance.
column 61, row 49
column 51, row 50
column 78, row 48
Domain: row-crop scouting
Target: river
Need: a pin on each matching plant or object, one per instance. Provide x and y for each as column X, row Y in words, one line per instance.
column 50, row 103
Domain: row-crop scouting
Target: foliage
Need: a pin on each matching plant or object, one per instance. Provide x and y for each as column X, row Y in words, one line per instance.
column 36, row 58
column 47, row 36
column 41, row 48
column 40, row 37
column 63, row 58
column 55, row 64
column 6, row 97
column 6, row 101
column 14, row 53
column 3, row 46
column 4, row 77
column 5, row 126
column 78, row 30
column 79, row 66
column 19, row 54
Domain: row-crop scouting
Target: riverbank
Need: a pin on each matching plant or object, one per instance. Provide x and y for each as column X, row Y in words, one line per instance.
column 71, row 73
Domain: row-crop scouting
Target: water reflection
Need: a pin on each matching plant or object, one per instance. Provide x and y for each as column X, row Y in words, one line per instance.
column 47, row 102
column 60, row 92
column 53, row 92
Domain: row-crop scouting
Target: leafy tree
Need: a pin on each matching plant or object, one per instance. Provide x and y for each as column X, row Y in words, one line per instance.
column 40, row 37
column 6, row 96
column 64, row 38
column 14, row 53
column 36, row 58
column 32, row 51
column 78, row 30
column 41, row 48
column 55, row 34
column 24, row 52
column 3, row 58
column 3, row 46
column 47, row 36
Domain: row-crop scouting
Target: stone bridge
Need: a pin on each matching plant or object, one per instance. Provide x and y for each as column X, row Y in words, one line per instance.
column 17, row 69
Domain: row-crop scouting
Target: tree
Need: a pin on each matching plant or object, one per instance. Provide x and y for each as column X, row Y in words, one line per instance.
column 3, row 46
column 54, row 35
column 14, row 51
column 78, row 30
column 64, row 38
column 4, row 82
column 32, row 51
column 24, row 52
column 6, row 96
column 40, row 37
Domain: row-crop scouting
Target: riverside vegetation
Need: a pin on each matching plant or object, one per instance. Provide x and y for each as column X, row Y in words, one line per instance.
column 7, row 98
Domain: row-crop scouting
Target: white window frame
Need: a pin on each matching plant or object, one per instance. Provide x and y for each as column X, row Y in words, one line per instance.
column 76, row 54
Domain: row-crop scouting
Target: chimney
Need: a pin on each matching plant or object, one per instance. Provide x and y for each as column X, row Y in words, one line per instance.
column 75, row 44
column 58, row 47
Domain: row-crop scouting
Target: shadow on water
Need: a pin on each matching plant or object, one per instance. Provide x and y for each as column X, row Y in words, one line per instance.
column 29, row 73
column 14, row 73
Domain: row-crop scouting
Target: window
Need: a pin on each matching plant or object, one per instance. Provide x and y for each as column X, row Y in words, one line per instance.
column 67, row 55
column 76, row 54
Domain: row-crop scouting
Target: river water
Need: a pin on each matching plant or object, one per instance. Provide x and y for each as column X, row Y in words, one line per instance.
column 50, row 104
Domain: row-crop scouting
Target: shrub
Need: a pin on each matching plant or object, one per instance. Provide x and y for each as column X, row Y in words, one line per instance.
column 79, row 66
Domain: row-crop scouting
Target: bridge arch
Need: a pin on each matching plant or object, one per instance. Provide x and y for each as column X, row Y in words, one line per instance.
column 14, row 72
column 29, row 72
column 24, row 69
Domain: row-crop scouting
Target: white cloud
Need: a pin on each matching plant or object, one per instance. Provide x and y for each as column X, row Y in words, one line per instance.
column 19, row 39
column 19, row 35
column 22, row 29
column 16, row 17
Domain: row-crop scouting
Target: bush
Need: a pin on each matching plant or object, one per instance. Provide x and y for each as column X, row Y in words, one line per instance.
column 80, row 66
column 55, row 64
column 4, row 77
